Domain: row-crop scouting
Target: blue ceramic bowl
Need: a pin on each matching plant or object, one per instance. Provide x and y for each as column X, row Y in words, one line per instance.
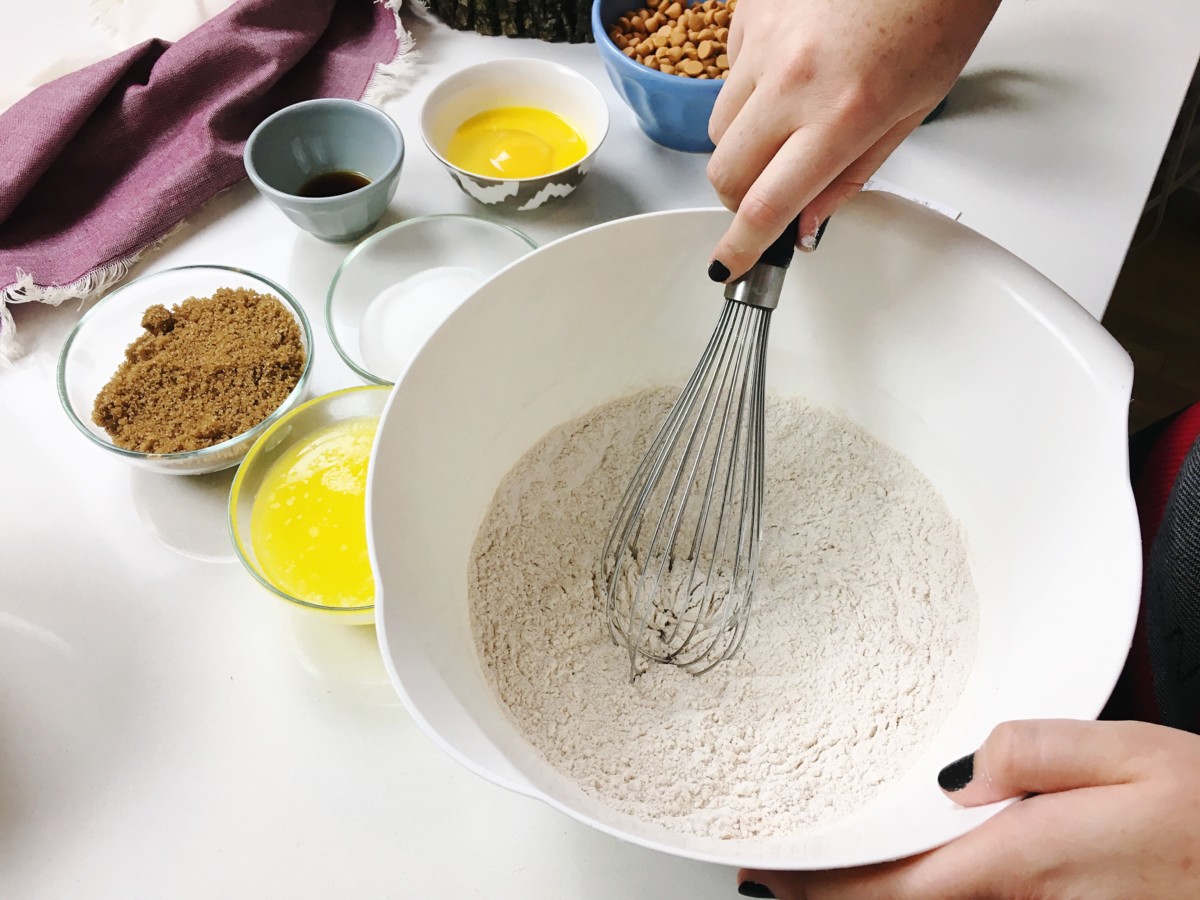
column 672, row 111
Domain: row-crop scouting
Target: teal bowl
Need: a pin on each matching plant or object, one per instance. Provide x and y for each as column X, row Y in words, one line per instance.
column 320, row 137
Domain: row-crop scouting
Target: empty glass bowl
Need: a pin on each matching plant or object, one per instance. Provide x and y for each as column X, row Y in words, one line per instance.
column 396, row 287
column 96, row 346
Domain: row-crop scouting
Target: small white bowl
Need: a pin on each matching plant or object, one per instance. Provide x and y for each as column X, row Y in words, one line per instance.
column 376, row 325
column 515, row 82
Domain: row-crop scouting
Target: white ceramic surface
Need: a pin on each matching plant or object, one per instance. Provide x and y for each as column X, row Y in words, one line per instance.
column 1002, row 390
column 515, row 82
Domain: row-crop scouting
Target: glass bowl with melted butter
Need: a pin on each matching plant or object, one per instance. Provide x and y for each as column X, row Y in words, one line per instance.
column 297, row 506
column 515, row 133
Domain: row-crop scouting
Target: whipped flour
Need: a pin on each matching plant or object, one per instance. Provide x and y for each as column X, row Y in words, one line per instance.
column 861, row 636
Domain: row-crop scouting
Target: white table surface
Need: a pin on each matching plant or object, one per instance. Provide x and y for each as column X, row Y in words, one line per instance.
column 169, row 730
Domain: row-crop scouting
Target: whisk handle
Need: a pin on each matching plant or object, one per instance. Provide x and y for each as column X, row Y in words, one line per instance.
column 779, row 254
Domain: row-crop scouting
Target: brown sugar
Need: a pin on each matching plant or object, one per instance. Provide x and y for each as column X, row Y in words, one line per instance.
column 204, row 371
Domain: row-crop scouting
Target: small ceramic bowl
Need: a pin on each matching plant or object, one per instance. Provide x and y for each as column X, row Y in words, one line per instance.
column 96, row 347
column 327, row 137
column 297, row 426
column 515, row 82
column 396, row 287
column 672, row 111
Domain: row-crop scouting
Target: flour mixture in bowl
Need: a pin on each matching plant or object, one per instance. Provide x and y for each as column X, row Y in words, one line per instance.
column 861, row 636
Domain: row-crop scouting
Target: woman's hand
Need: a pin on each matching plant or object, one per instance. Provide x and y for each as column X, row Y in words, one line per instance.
column 820, row 92
column 1117, row 815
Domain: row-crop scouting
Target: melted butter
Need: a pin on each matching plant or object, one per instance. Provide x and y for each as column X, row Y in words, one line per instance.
column 515, row 142
column 308, row 522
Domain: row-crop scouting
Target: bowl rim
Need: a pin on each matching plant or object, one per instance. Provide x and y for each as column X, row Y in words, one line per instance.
column 394, row 164
column 609, row 49
column 213, row 449
column 363, row 247
column 563, row 72
column 231, row 516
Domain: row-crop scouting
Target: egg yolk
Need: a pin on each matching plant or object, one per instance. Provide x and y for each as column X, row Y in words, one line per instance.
column 308, row 521
column 515, row 142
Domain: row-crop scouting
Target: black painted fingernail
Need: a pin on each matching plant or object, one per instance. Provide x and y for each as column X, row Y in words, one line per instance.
column 958, row 774
column 717, row 271
column 754, row 889
column 820, row 231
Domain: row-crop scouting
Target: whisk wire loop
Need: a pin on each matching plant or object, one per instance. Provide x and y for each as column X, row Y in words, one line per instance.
column 678, row 566
column 733, row 377
column 677, row 572
column 715, row 401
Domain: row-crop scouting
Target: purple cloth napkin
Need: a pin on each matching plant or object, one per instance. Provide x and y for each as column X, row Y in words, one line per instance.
column 101, row 163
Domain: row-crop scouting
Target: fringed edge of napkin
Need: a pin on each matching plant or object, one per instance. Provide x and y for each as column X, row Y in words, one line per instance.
column 389, row 80
column 89, row 287
column 394, row 78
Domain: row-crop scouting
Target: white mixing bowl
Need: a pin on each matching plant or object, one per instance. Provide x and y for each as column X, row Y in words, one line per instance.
column 1006, row 394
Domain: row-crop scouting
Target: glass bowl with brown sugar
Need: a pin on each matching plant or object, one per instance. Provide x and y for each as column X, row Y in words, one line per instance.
column 179, row 371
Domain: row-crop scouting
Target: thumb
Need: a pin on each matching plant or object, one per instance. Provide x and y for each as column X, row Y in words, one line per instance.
column 1044, row 756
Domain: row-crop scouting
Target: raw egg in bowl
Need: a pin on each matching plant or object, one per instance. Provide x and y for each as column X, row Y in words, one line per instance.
column 515, row 133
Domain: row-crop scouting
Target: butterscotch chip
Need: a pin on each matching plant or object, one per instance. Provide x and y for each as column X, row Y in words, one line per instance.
column 697, row 32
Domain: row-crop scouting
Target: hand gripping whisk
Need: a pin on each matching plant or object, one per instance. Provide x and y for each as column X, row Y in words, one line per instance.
column 676, row 575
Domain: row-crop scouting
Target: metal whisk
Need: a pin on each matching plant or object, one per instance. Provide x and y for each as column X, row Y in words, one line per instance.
column 677, row 572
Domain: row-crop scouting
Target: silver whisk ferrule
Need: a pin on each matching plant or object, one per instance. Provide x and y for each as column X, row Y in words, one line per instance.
column 760, row 287
column 677, row 572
